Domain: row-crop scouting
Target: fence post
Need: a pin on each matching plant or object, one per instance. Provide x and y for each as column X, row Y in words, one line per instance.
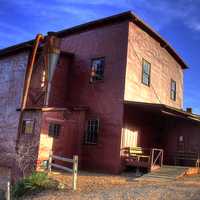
column 152, row 157
column 162, row 158
column 75, row 171
column 8, row 191
column 50, row 161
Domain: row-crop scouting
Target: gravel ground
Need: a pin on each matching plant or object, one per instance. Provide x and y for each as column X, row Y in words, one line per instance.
column 95, row 186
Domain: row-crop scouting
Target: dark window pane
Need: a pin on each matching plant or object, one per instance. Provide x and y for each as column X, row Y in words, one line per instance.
column 145, row 79
column 146, row 70
column 54, row 129
column 92, row 132
column 97, row 69
column 173, row 90
column 28, row 126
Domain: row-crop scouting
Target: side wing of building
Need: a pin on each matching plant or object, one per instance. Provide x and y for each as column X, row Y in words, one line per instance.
column 12, row 71
column 152, row 74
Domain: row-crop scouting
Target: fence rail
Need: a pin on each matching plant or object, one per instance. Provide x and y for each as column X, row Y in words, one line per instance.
column 74, row 170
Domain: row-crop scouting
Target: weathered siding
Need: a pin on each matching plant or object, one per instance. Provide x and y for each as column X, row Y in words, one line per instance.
column 12, row 70
column 191, row 137
column 69, row 141
column 104, row 98
column 28, row 145
column 163, row 68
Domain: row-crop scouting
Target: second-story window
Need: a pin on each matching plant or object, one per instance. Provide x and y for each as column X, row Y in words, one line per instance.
column 97, row 69
column 92, row 131
column 43, row 79
column 146, row 72
column 173, row 90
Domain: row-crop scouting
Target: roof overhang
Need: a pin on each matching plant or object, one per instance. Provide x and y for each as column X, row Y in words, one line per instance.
column 162, row 109
column 102, row 22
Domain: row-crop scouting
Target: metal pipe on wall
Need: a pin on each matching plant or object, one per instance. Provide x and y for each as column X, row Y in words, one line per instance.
column 38, row 39
column 29, row 71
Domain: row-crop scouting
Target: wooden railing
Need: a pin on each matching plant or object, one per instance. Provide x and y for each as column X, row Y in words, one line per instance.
column 156, row 157
column 187, row 156
column 198, row 163
column 74, row 170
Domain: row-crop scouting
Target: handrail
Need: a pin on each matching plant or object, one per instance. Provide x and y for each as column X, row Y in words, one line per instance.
column 159, row 157
column 198, row 163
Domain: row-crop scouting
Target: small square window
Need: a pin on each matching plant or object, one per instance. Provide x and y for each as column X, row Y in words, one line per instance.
column 173, row 90
column 146, row 72
column 181, row 138
column 28, row 126
column 54, row 129
column 97, row 69
column 92, row 131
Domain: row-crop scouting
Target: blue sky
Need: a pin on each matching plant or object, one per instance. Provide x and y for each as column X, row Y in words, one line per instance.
column 178, row 21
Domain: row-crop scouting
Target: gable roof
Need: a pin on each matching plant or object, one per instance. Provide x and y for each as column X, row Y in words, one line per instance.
column 102, row 22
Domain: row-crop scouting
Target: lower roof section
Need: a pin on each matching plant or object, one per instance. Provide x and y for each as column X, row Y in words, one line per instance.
column 49, row 109
column 162, row 109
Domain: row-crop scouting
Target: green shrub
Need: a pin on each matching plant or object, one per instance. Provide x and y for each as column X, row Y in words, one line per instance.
column 34, row 183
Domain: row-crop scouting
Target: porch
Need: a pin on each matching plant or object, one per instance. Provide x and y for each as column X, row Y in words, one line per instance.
column 170, row 133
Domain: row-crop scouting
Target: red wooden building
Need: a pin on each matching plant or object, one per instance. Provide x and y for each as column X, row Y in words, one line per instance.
column 135, row 98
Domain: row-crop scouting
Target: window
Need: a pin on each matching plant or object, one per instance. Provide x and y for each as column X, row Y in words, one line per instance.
column 173, row 90
column 97, row 69
column 181, row 138
column 146, row 70
column 28, row 126
column 54, row 129
column 43, row 79
column 92, row 131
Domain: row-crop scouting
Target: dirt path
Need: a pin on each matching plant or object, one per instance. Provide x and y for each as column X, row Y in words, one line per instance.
column 101, row 186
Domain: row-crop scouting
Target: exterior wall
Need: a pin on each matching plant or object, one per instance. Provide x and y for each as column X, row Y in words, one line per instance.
column 104, row 98
column 60, row 82
column 12, row 70
column 27, row 147
column 148, row 128
column 190, row 132
column 163, row 69
column 69, row 142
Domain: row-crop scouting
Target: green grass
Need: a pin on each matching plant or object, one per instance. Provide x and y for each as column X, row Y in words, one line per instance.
column 36, row 182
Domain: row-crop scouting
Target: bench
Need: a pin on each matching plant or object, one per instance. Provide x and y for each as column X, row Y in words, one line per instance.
column 136, row 153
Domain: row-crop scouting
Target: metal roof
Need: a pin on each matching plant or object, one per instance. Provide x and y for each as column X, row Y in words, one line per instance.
column 163, row 109
column 102, row 22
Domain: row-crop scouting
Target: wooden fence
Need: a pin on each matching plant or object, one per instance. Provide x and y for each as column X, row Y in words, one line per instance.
column 74, row 170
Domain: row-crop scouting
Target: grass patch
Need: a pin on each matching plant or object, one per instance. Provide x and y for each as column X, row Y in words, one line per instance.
column 36, row 182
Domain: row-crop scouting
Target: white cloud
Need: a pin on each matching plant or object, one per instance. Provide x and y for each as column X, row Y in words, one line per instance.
column 9, row 28
column 194, row 25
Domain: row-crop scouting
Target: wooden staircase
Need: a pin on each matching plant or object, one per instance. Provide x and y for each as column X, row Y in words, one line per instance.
column 165, row 173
